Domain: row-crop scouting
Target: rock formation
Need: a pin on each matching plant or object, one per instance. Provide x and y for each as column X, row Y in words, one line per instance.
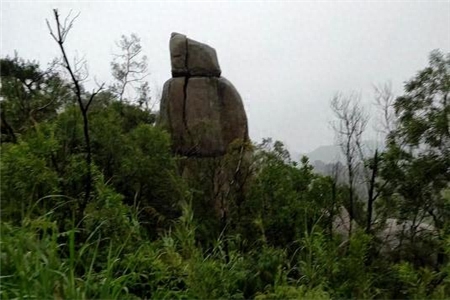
column 394, row 236
column 202, row 111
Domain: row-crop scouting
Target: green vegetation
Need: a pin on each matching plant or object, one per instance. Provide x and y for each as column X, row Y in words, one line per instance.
column 146, row 229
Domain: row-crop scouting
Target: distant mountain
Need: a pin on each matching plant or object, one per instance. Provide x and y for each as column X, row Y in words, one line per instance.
column 332, row 153
column 327, row 154
column 329, row 161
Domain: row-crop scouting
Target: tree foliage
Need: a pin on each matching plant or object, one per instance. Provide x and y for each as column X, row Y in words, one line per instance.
column 416, row 165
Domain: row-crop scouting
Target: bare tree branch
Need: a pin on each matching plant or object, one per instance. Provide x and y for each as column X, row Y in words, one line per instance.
column 94, row 93
column 349, row 127
column 127, row 67
column 384, row 100
column 74, row 72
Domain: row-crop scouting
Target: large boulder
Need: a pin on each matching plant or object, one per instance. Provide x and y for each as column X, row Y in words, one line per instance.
column 202, row 111
column 191, row 58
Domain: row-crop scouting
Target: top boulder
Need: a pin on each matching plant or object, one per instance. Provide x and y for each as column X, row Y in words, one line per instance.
column 191, row 58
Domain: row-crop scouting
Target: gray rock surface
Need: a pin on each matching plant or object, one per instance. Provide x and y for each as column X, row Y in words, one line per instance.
column 202, row 111
column 178, row 50
column 191, row 58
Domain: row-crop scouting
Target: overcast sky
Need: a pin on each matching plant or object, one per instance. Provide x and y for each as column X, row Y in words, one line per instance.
column 287, row 59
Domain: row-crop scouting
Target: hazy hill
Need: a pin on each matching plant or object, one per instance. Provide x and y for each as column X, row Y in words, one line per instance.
column 332, row 153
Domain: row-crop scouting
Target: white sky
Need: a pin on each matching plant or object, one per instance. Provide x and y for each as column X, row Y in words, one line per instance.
column 287, row 59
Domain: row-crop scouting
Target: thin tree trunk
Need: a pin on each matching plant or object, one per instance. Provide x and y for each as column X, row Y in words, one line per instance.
column 371, row 199
column 59, row 37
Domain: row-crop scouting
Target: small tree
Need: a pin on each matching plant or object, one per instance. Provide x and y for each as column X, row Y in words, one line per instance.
column 84, row 101
column 28, row 95
column 130, row 68
column 349, row 128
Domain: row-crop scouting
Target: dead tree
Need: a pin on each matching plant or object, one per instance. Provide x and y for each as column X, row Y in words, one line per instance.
column 349, row 127
column 59, row 35
column 384, row 101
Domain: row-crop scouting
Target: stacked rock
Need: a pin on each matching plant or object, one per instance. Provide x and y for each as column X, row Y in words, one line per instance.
column 202, row 111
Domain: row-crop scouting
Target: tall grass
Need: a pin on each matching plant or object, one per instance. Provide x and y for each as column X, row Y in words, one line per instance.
column 40, row 262
column 36, row 265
